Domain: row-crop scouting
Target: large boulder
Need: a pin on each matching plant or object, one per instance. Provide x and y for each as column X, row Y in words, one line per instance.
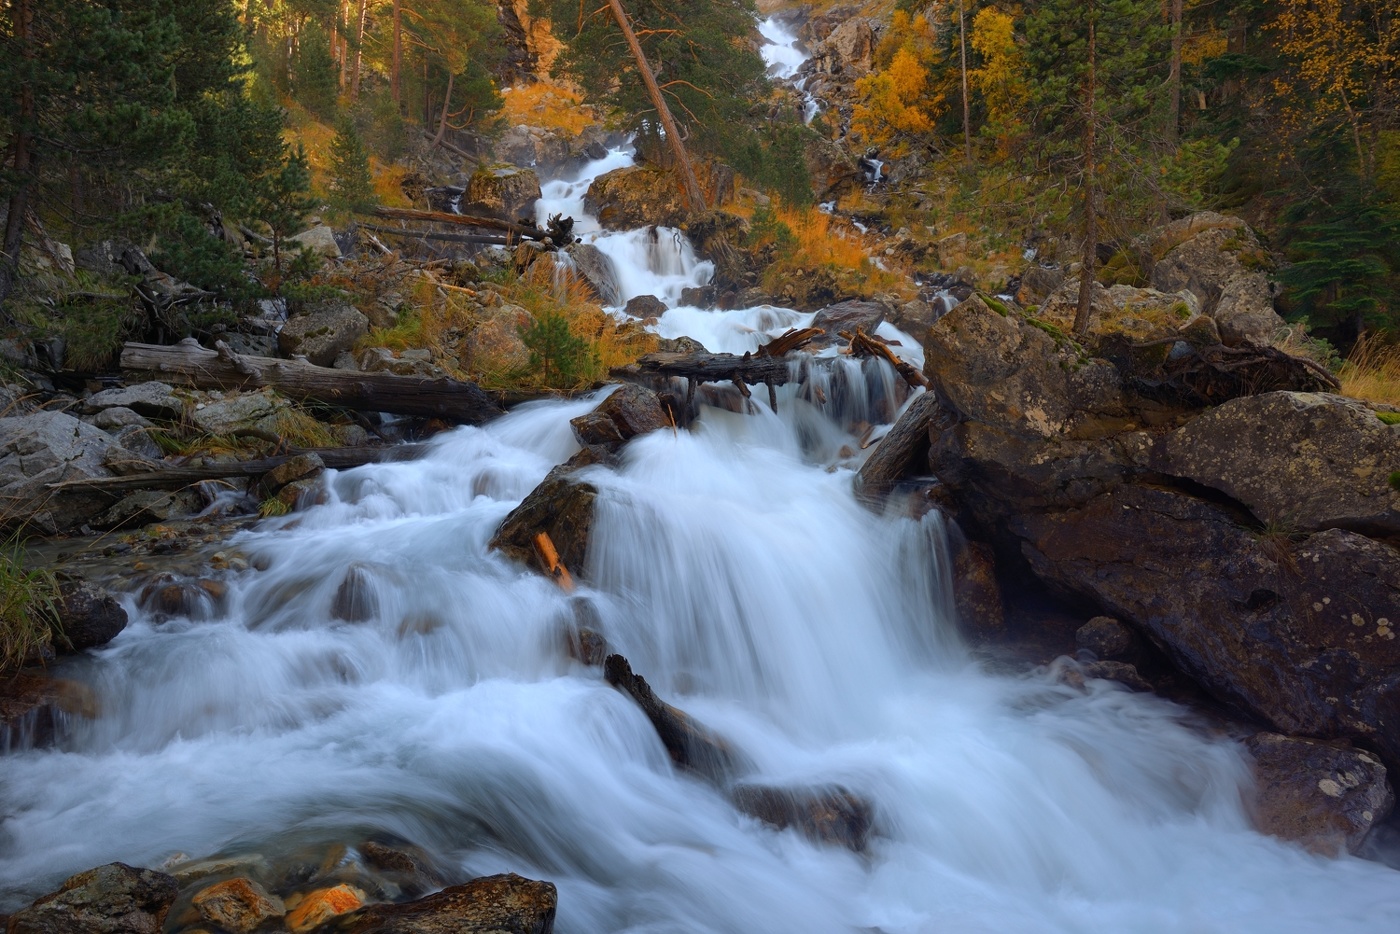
column 562, row 508
column 111, row 899
column 636, row 196
column 239, row 411
column 503, row 904
column 594, row 267
column 324, row 333
column 1323, row 795
column 1218, row 259
column 1298, row 461
column 50, row 447
column 503, row 191
column 1298, row 633
column 319, row 240
column 631, row 410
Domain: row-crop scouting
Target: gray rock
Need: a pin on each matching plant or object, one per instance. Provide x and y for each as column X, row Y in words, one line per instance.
column 247, row 410
column 319, row 239
column 1298, row 461
column 847, row 316
column 50, row 447
column 146, row 506
column 1208, row 264
column 111, row 899
column 152, row 400
column 1325, row 796
column 119, row 417
column 323, row 334
column 504, row 191
column 139, row 442
column 596, row 268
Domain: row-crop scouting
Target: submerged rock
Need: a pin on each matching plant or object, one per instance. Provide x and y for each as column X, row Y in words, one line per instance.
column 503, row 904
column 830, row 815
column 111, row 899
column 1326, row 797
column 238, row 905
column 562, row 508
column 629, row 411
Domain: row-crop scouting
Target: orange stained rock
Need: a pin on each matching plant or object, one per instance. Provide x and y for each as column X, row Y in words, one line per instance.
column 321, row 905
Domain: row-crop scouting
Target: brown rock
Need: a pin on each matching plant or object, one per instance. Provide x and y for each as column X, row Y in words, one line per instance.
column 1037, row 284
column 976, row 593
column 636, row 196
column 903, row 451
column 301, row 467
column 504, row 904
column 629, row 411
column 690, row 745
column 562, row 507
column 847, row 316
column 317, row 907
column 1326, row 797
column 357, row 598
column 111, row 899
column 88, row 616
column 830, row 815
column 645, row 306
column 33, row 704
column 504, row 191
column 238, row 905
column 1108, row 639
column 1297, row 632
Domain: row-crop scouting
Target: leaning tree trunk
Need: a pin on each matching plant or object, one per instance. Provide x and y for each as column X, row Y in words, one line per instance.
column 693, row 194
column 395, row 83
column 1091, row 230
column 967, row 106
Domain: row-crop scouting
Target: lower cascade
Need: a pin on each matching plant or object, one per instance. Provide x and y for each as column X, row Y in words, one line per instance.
column 378, row 671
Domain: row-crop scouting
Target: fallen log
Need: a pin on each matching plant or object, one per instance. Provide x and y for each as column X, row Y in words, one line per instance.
column 707, row 367
column 173, row 478
column 189, row 363
column 488, row 239
column 461, row 220
column 788, row 341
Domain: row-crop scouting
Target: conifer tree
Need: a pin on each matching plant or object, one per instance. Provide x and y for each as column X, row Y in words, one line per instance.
column 351, row 185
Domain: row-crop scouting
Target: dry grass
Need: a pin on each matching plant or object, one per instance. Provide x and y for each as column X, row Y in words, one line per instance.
column 548, row 105
column 1372, row 371
column 812, row 243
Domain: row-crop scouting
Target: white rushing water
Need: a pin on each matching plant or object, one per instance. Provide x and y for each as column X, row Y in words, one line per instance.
column 741, row 577
column 783, row 54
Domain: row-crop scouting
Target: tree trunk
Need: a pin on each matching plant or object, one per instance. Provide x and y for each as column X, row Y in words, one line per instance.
column 359, row 52
column 1091, row 232
column 22, row 159
column 1174, row 77
column 446, row 104
column 693, row 195
column 967, row 106
column 395, row 88
column 187, row 362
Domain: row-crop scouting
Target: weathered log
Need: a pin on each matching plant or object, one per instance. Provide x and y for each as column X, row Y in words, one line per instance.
column 788, row 341
column 171, row 478
column 902, row 450
column 863, row 345
column 191, row 364
column 708, row 367
column 461, row 220
column 488, row 239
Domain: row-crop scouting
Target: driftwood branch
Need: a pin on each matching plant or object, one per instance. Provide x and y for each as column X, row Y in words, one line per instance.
column 790, row 340
column 863, row 345
column 189, row 363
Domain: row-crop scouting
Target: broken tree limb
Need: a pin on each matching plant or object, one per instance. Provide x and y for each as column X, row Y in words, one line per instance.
column 189, row 363
column 171, row 478
column 788, row 341
column 549, row 558
column 863, row 345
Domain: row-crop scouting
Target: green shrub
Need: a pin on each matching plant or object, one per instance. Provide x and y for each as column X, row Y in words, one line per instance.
column 28, row 609
column 560, row 357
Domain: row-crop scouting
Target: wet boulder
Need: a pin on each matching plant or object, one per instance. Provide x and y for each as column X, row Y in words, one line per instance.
column 629, row 411
column 689, row 744
column 1108, row 639
column 976, row 592
column 405, row 865
column 88, row 616
column 1299, row 461
column 1324, row 796
column 504, row 191
column 239, row 906
column 1299, row 632
column 562, row 508
column 830, row 815
column 645, row 306
column 903, row 451
column 503, row 904
column 636, row 196
column 314, row 908
column 111, row 899
column 323, row 333
column 34, row 707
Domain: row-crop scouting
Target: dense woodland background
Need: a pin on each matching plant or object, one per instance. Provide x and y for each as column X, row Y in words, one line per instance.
column 166, row 122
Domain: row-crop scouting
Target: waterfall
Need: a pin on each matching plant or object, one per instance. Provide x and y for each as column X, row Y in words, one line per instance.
column 378, row 670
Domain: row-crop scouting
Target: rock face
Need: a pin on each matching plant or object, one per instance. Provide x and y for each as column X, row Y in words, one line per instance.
column 44, row 448
column 1300, row 461
column 504, row 191
column 111, row 899
column 637, row 196
column 323, row 334
column 1324, row 796
column 504, row 904
column 1235, row 538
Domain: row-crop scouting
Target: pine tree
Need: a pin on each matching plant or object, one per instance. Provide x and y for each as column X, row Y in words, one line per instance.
column 351, row 186
column 284, row 200
column 313, row 72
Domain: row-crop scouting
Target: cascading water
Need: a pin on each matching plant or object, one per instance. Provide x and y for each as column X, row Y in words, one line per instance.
column 378, row 670
column 782, row 53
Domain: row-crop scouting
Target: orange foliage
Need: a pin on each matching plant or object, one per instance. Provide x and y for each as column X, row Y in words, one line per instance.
column 548, row 105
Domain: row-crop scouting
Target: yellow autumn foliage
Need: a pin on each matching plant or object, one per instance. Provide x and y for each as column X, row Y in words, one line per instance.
column 1001, row 80
column 899, row 102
